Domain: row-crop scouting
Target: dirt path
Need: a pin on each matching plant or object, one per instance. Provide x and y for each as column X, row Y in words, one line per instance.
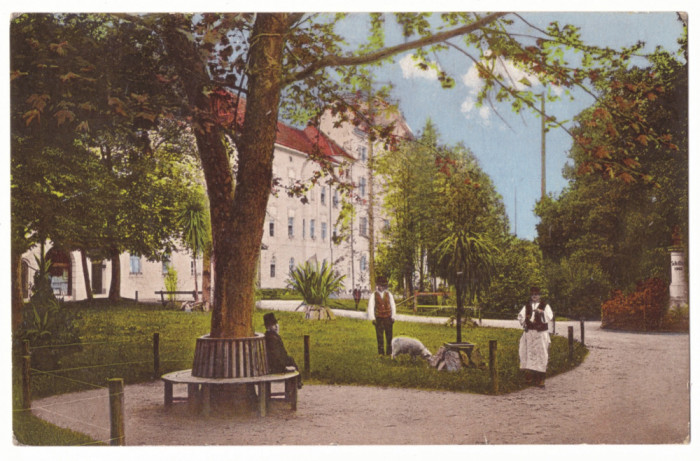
column 632, row 389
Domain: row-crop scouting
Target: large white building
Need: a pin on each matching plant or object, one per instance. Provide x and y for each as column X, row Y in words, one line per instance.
column 295, row 231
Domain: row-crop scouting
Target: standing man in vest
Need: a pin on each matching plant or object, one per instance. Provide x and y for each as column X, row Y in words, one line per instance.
column 381, row 310
column 534, row 317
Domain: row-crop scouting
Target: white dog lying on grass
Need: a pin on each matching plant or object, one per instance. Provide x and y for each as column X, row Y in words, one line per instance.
column 411, row 346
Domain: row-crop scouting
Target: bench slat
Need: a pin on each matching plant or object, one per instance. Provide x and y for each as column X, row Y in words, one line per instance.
column 185, row 377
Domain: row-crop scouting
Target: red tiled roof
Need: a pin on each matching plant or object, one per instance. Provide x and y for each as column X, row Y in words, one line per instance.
column 309, row 141
column 326, row 145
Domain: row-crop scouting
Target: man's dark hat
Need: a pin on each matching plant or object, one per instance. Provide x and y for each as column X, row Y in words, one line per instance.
column 269, row 319
column 534, row 291
column 381, row 280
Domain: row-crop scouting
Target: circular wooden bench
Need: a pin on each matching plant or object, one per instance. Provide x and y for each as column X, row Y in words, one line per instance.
column 199, row 389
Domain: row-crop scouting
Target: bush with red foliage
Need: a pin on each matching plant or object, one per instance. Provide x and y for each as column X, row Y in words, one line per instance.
column 641, row 310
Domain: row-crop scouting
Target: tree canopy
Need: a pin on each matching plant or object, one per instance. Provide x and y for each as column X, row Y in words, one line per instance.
column 86, row 73
column 599, row 235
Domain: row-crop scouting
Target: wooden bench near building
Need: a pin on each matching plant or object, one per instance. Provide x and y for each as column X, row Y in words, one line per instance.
column 163, row 294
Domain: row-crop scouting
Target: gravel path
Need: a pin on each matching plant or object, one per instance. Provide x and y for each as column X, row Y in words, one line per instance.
column 632, row 389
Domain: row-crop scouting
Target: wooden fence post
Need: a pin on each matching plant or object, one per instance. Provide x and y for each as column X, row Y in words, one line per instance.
column 136, row 296
column 307, row 355
column 493, row 364
column 116, row 411
column 571, row 344
column 26, row 382
column 156, row 355
column 583, row 334
column 415, row 302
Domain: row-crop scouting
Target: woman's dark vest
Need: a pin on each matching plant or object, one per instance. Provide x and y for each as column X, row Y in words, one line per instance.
column 538, row 324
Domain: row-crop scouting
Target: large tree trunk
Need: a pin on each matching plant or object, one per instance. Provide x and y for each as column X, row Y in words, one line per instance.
column 115, row 285
column 206, row 277
column 236, row 221
column 254, row 180
column 17, row 300
column 86, row 275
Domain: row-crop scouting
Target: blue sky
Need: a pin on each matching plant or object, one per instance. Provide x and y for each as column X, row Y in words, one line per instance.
column 510, row 151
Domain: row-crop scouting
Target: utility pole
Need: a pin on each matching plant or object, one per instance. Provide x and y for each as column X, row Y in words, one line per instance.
column 370, row 183
column 544, row 171
column 352, row 239
column 515, row 209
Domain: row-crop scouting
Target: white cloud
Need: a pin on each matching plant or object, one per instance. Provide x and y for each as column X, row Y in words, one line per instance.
column 468, row 104
column 506, row 70
column 410, row 69
column 485, row 114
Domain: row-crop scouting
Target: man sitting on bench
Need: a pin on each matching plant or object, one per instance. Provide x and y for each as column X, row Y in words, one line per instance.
column 278, row 359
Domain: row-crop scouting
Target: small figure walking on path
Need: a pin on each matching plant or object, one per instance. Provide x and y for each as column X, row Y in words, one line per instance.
column 381, row 310
column 356, row 296
column 278, row 359
column 534, row 317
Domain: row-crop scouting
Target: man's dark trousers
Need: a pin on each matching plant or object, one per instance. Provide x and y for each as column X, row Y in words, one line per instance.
column 384, row 328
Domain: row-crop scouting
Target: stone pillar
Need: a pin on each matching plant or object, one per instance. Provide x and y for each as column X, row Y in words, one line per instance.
column 678, row 290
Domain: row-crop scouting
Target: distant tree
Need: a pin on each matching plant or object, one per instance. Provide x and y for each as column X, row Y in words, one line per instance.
column 517, row 267
column 598, row 235
column 409, row 174
column 466, row 260
column 196, row 229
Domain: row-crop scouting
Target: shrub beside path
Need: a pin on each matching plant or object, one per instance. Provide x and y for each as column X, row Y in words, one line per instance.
column 633, row 388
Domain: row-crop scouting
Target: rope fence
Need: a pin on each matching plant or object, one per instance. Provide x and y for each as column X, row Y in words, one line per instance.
column 113, row 386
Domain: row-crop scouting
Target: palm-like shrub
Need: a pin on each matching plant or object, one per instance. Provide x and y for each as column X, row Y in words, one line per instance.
column 316, row 283
column 466, row 260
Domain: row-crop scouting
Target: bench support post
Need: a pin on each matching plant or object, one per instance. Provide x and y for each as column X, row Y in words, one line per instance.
column 205, row 398
column 168, row 394
column 263, row 395
column 290, row 392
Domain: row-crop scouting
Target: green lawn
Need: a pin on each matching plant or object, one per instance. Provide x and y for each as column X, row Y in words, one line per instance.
column 116, row 342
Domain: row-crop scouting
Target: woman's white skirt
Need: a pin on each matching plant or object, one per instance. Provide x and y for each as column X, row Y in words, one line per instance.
column 534, row 350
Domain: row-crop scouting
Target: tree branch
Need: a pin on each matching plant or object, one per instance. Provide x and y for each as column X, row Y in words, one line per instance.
column 335, row 61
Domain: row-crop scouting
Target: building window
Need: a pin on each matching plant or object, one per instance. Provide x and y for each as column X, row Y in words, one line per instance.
column 335, row 199
column 363, row 226
column 166, row 264
column 273, row 262
column 291, row 265
column 272, row 228
column 312, row 228
column 363, row 186
column 324, row 231
column 134, row 264
column 194, row 266
column 387, row 225
column 362, row 153
column 290, row 226
column 363, row 263
column 323, row 196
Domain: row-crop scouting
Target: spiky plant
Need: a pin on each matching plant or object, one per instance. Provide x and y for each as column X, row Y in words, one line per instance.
column 315, row 283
